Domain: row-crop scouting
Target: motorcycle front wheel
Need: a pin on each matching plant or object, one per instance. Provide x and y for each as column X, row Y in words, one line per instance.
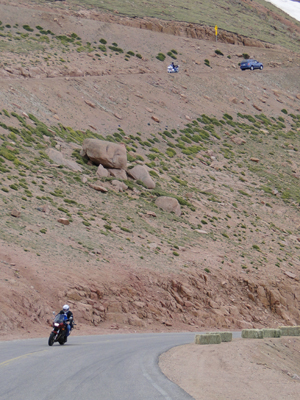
column 51, row 339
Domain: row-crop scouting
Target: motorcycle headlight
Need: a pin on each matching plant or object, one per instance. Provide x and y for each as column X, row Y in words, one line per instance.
column 56, row 324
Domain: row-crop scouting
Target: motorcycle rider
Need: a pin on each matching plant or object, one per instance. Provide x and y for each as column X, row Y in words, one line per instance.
column 69, row 318
column 174, row 66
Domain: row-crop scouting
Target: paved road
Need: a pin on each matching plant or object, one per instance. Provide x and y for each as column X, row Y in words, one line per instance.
column 110, row 367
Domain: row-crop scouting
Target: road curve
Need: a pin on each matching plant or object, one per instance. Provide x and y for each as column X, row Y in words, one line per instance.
column 108, row 367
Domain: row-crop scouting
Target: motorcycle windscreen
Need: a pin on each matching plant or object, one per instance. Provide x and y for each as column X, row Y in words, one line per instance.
column 59, row 318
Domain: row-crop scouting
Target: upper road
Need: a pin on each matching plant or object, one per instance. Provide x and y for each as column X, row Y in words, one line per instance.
column 108, row 367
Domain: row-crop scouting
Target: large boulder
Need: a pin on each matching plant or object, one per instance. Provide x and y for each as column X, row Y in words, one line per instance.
column 110, row 155
column 140, row 173
column 169, row 204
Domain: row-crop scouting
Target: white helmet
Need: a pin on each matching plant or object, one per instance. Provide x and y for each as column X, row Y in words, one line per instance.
column 66, row 308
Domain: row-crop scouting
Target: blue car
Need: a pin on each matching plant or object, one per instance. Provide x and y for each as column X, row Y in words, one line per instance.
column 251, row 64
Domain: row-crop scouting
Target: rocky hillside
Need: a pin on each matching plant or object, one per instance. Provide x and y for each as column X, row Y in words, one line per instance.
column 219, row 143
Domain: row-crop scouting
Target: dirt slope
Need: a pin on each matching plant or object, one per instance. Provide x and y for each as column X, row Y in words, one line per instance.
column 267, row 369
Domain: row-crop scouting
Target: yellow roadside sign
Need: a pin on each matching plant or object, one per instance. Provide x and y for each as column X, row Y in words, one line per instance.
column 216, row 30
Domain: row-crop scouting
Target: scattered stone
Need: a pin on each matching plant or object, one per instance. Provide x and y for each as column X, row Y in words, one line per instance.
column 237, row 140
column 298, row 96
column 201, row 231
column 15, row 213
column 120, row 186
column 149, row 110
column 169, row 204
column 98, row 188
column 59, row 159
column 117, row 116
column 150, row 214
column 156, row 119
column 89, row 103
column 63, row 221
column 233, row 100
column 290, row 274
column 117, row 173
column 257, row 107
column 102, row 172
column 139, row 172
column 254, row 159
column 84, row 179
column 187, row 117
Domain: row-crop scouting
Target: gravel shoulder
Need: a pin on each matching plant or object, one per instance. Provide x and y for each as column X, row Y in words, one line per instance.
column 241, row 369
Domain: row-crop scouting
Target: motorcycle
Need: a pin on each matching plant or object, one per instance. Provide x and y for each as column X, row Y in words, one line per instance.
column 172, row 69
column 59, row 332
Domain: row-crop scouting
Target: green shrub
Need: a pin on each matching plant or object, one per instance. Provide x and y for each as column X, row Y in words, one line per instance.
column 125, row 229
column 170, row 152
column 130, row 53
column 7, row 154
column 161, row 57
column 219, row 52
column 6, row 113
column 284, row 111
column 153, row 173
column 138, row 55
column 116, row 49
column 246, row 56
column 103, row 41
column 27, row 28
column 206, row 62
column 244, row 193
column 170, row 54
